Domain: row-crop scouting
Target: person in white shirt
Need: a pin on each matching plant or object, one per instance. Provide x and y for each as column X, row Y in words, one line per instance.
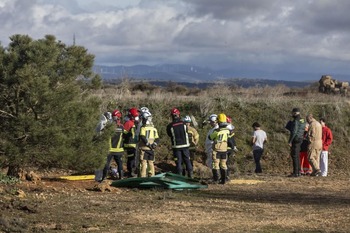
column 258, row 139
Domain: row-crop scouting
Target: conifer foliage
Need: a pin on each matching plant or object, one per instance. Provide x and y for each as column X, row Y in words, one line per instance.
column 47, row 111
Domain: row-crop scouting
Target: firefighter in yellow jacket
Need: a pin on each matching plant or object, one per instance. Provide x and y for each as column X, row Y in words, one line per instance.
column 220, row 144
column 193, row 137
column 149, row 140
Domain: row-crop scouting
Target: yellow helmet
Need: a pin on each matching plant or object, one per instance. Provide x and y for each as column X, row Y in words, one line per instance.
column 221, row 118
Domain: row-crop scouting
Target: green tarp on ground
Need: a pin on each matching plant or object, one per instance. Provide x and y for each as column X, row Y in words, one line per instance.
column 164, row 180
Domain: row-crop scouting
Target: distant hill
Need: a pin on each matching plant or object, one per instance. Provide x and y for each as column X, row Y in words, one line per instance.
column 194, row 75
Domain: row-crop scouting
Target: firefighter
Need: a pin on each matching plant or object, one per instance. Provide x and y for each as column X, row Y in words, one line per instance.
column 194, row 140
column 149, row 140
column 220, row 143
column 130, row 141
column 116, row 149
column 177, row 131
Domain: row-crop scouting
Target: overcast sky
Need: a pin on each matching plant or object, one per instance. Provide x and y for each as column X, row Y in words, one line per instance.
column 310, row 36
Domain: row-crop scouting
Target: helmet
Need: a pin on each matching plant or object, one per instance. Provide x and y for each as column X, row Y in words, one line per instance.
column 187, row 119
column 133, row 112
column 222, row 118
column 213, row 118
column 228, row 119
column 144, row 109
column 146, row 115
column 146, row 118
column 116, row 115
column 108, row 115
column 175, row 111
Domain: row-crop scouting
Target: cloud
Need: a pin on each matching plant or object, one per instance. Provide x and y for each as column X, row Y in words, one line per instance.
column 246, row 34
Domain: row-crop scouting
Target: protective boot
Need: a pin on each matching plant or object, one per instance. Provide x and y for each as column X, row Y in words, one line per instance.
column 190, row 174
column 215, row 175
column 223, row 176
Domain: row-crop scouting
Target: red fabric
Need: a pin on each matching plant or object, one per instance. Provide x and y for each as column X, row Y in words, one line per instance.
column 327, row 138
column 305, row 166
column 128, row 125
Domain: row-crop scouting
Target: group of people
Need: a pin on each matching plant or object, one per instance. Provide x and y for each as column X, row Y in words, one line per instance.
column 309, row 141
column 220, row 146
column 138, row 137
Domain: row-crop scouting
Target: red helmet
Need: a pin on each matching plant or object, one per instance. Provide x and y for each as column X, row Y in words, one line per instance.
column 134, row 112
column 116, row 114
column 175, row 111
column 228, row 119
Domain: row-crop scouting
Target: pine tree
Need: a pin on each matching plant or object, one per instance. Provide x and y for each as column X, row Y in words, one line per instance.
column 47, row 111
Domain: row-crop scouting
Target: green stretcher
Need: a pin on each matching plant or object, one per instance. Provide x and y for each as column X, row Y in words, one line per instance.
column 164, row 180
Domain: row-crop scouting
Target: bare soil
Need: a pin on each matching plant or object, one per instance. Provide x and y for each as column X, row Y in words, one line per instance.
column 249, row 203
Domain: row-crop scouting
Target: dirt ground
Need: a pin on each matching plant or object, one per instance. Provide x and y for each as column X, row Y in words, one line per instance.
column 248, row 203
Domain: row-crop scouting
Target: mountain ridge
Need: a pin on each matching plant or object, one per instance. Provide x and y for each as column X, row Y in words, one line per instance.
column 196, row 74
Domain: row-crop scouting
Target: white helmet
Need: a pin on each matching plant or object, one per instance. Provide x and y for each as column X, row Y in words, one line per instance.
column 108, row 116
column 213, row 117
column 144, row 109
column 187, row 119
column 147, row 117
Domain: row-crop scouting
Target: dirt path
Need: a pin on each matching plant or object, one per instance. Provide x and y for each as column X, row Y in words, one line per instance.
column 274, row 204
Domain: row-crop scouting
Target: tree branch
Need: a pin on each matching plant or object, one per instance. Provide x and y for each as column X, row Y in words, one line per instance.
column 6, row 114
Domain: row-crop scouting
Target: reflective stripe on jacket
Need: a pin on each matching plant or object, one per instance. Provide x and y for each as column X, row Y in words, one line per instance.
column 177, row 131
column 116, row 141
column 148, row 134
column 220, row 139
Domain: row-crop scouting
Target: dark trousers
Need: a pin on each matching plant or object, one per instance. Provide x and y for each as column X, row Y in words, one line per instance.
column 117, row 156
column 295, row 153
column 182, row 155
column 131, row 161
column 257, row 153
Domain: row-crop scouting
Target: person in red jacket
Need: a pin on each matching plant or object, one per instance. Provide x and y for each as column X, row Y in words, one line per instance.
column 305, row 166
column 327, row 138
column 130, row 141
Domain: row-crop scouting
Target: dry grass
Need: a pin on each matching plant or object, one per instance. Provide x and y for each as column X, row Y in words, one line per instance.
column 270, row 106
column 247, row 204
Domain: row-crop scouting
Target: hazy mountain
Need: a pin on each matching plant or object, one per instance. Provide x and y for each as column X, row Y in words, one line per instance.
column 196, row 74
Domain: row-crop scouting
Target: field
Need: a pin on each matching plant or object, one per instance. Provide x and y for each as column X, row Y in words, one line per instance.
column 270, row 202
column 248, row 203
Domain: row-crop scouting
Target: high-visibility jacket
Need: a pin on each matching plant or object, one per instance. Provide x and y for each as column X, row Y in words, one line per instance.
column 193, row 137
column 220, row 138
column 177, row 131
column 116, row 141
column 148, row 136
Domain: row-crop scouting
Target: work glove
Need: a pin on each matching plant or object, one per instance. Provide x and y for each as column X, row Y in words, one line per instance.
column 235, row 149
